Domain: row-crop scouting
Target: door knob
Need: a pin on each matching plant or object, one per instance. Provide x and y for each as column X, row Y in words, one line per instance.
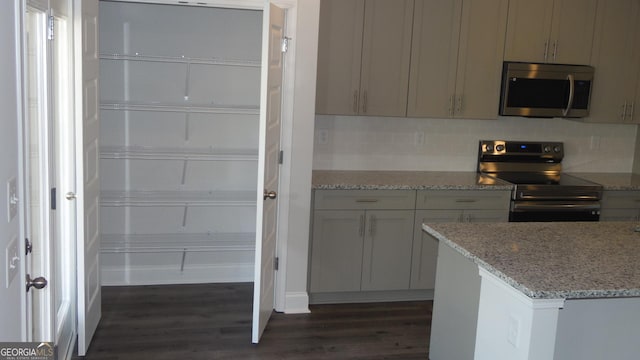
column 38, row 283
column 270, row 195
column 70, row 195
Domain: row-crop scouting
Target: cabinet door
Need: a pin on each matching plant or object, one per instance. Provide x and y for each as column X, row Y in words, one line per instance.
column 386, row 261
column 386, row 53
column 434, row 54
column 480, row 58
column 336, row 252
column 425, row 247
column 339, row 56
column 572, row 31
column 528, row 30
column 613, row 58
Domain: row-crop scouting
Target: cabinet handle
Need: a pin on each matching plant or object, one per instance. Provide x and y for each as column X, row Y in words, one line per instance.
column 555, row 50
column 546, row 50
column 372, row 225
column 361, row 229
column 466, row 200
column 355, row 101
column 624, row 111
column 451, row 105
column 366, row 200
column 364, row 102
column 469, row 218
column 632, row 105
column 458, row 105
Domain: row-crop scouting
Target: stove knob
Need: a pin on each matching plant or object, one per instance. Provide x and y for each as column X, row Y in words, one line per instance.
column 556, row 149
column 489, row 147
column 499, row 147
column 547, row 148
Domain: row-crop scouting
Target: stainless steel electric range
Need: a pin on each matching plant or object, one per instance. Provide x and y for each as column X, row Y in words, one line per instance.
column 541, row 191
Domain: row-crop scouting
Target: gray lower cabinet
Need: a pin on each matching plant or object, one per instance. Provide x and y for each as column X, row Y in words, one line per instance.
column 434, row 206
column 361, row 240
column 368, row 242
column 620, row 205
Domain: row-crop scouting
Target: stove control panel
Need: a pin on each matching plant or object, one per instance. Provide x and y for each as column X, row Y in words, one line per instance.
column 527, row 149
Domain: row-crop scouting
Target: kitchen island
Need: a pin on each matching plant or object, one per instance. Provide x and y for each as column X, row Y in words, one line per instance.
column 536, row 291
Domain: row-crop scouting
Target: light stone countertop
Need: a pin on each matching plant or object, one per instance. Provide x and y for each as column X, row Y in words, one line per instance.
column 613, row 181
column 552, row 260
column 404, row 180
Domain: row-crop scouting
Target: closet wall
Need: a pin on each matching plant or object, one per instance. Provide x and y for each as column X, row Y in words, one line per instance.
column 179, row 135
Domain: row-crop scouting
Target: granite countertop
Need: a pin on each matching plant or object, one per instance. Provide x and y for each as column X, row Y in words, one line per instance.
column 553, row 260
column 613, row 181
column 404, row 180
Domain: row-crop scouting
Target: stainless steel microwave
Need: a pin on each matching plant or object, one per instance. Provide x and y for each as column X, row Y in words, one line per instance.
column 545, row 90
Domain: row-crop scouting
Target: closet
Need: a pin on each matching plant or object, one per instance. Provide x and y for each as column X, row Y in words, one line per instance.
column 179, row 107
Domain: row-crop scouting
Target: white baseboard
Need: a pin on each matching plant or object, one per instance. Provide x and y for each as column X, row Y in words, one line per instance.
column 158, row 275
column 296, row 303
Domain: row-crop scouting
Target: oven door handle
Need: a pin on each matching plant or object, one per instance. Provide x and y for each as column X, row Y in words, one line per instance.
column 537, row 206
column 525, row 196
column 571, row 94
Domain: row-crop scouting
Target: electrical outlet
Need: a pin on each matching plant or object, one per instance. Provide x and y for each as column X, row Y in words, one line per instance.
column 12, row 199
column 322, row 137
column 513, row 330
column 12, row 257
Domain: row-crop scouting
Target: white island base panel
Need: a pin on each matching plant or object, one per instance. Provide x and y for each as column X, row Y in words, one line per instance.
column 513, row 326
column 478, row 316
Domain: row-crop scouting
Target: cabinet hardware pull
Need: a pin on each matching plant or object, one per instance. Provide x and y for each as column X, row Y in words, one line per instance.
column 459, row 106
column 555, row 50
column 366, row 200
column 372, row 225
column 451, row 106
column 546, row 50
column 361, row 229
column 632, row 105
column 466, row 200
column 364, row 102
column 624, row 111
column 355, row 101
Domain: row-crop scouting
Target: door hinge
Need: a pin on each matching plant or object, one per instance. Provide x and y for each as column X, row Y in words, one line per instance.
column 285, row 44
column 50, row 27
column 281, row 157
column 28, row 247
column 276, row 263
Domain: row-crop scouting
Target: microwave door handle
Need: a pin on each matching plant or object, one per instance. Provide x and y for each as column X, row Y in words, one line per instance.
column 571, row 94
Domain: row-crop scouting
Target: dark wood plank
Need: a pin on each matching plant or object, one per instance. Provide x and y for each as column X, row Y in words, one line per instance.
column 213, row 321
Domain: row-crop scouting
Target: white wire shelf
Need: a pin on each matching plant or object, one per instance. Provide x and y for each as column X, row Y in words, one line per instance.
column 164, row 243
column 193, row 154
column 182, row 60
column 190, row 108
column 177, row 198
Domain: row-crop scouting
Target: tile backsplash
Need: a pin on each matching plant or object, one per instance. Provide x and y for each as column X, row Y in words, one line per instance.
column 384, row 143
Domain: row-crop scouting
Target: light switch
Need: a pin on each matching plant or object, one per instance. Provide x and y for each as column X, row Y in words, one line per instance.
column 12, row 199
column 12, row 260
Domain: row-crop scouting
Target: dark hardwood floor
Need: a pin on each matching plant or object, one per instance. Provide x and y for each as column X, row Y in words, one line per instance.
column 213, row 321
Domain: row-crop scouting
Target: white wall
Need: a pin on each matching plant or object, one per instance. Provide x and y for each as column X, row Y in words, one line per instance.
column 379, row 143
column 10, row 298
column 306, row 42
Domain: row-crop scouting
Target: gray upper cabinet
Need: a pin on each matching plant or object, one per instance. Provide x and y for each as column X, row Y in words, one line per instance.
column 553, row 31
column 364, row 52
column 456, row 58
column 616, row 58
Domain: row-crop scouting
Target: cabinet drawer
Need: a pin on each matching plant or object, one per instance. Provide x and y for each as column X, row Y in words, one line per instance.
column 621, row 199
column 364, row 199
column 463, row 199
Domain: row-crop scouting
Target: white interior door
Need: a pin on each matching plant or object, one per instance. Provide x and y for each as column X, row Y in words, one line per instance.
column 48, row 161
column 268, row 169
column 87, row 179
